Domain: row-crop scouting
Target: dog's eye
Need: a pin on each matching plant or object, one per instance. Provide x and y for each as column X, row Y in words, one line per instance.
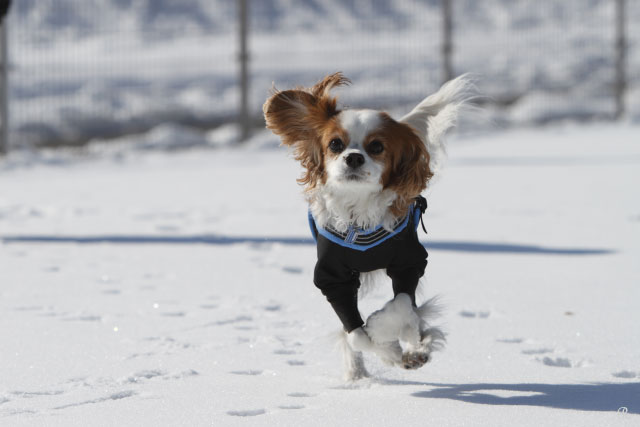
column 375, row 147
column 336, row 145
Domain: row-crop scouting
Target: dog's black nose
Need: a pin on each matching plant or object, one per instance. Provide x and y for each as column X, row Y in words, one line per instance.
column 354, row 160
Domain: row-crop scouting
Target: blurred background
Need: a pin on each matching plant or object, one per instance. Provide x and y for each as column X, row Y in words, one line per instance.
column 182, row 73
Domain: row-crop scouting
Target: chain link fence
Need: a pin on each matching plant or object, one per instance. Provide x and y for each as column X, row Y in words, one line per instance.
column 80, row 70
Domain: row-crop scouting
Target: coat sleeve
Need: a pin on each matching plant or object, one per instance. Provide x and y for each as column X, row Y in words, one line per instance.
column 339, row 284
column 407, row 266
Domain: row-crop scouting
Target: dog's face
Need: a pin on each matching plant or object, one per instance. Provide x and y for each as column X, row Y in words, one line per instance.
column 354, row 153
column 349, row 150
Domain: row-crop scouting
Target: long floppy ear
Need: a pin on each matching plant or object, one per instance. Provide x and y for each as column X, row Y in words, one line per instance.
column 407, row 170
column 287, row 115
column 437, row 113
column 298, row 115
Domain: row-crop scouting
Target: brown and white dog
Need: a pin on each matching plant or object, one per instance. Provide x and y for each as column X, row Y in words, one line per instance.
column 363, row 171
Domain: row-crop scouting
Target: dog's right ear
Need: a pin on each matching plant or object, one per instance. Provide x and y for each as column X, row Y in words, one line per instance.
column 287, row 115
column 298, row 115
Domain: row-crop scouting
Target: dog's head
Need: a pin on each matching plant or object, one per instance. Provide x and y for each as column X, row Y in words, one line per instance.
column 354, row 150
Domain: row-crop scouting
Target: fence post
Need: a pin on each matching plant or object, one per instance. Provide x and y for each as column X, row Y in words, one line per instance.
column 621, row 53
column 447, row 42
column 4, row 70
column 243, row 57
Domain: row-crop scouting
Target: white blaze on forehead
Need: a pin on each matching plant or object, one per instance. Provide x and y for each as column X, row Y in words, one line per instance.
column 359, row 124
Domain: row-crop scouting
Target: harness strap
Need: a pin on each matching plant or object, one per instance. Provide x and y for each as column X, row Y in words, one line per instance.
column 420, row 206
column 374, row 236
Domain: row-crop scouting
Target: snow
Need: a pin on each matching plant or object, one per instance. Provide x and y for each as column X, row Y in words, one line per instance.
column 174, row 287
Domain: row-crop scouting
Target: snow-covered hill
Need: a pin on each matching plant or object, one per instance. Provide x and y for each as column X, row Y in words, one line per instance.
column 99, row 68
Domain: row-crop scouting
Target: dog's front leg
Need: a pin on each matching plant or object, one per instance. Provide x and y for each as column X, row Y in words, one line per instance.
column 431, row 338
column 352, row 361
column 389, row 352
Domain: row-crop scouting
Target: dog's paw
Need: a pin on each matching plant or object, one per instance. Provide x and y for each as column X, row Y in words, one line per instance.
column 417, row 356
column 415, row 359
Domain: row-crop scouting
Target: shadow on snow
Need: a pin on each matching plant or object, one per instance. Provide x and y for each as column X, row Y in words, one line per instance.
column 215, row 239
column 609, row 397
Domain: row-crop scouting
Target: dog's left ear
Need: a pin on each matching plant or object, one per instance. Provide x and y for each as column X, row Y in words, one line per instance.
column 408, row 168
column 437, row 113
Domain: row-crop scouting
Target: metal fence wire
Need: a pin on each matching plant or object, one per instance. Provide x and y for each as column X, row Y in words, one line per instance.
column 96, row 69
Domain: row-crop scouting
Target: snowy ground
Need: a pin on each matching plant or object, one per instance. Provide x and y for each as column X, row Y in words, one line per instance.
column 146, row 288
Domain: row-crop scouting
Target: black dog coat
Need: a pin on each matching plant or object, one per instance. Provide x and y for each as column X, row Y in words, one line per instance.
column 342, row 256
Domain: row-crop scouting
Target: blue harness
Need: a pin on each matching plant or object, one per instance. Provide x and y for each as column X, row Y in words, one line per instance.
column 361, row 239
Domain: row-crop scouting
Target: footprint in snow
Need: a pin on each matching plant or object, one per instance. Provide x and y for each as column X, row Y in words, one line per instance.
column 626, row 374
column 292, row 270
column 21, row 411
column 30, row 394
column 247, row 413
column 115, row 396
column 299, row 394
column 182, row 375
column 537, row 351
column 511, row 340
column 173, row 314
column 237, row 319
column 247, row 372
column 144, row 375
column 284, row 351
column 475, row 314
column 562, row 362
column 291, row 407
column 138, row 355
column 83, row 318
column 272, row 307
column 296, row 362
